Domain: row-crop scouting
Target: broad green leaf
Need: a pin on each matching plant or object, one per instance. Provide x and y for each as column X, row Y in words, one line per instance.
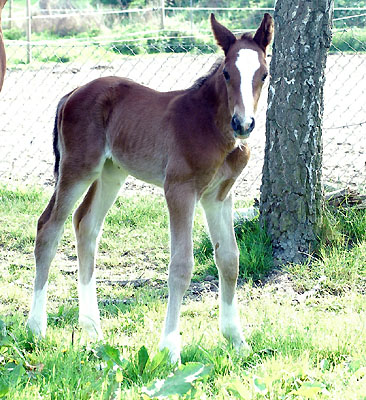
column 180, row 382
column 160, row 358
column 237, row 389
column 354, row 365
column 4, row 389
column 109, row 353
column 324, row 365
column 259, row 385
column 119, row 376
column 309, row 389
column 15, row 374
column 143, row 358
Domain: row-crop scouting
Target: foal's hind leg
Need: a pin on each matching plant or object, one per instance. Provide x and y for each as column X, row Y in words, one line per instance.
column 220, row 222
column 88, row 220
column 49, row 231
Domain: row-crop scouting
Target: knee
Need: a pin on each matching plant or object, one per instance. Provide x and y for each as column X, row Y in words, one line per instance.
column 41, row 221
column 228, row 263
column 76, row 220
column 83, row 225
column 180, row 273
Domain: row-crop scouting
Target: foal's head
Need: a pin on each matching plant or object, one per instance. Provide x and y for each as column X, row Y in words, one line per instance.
column 245, row 70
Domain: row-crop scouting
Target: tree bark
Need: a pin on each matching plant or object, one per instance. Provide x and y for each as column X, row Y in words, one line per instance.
column 2, row 49
column 291, row 192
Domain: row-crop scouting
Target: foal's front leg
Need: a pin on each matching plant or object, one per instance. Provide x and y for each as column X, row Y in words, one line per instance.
column 181, row 204
column 219, row 216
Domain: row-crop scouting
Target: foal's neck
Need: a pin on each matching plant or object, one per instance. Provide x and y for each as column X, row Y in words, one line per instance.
column 214, row 94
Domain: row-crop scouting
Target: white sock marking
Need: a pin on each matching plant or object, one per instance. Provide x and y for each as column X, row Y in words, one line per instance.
column 37, row 320
column 89, row 317
column 172, row 343
column 230, row 322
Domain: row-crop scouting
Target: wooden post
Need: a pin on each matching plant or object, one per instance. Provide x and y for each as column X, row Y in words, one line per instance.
column 29, row 32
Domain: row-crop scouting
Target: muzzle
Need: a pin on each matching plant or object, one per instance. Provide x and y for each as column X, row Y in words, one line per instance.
column 242, row 130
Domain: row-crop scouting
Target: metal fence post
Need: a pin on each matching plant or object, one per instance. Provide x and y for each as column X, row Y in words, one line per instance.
column 10, row 14
column 162, row 14
column 191, row 15
column 29, row 32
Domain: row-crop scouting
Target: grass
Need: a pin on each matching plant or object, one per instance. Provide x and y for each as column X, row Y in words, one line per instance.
column 349, row 40
column 307, row 335
column 340, row 264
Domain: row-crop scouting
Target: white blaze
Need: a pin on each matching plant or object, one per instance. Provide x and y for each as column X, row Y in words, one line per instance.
column 247, row 64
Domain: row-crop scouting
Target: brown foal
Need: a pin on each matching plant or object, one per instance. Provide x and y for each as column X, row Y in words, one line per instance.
column 189, row 142
column 2, row 49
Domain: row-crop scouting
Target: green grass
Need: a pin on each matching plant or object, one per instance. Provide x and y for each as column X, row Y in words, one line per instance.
column 307, row 335
column 341, row 259
column 349, row 40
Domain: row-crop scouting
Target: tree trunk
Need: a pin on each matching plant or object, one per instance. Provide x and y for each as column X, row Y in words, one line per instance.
column 291, row 192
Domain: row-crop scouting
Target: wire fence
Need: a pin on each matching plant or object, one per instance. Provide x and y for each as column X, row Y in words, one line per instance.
column 32, row 90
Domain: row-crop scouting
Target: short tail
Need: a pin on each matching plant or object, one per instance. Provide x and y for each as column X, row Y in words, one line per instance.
column 56, row 149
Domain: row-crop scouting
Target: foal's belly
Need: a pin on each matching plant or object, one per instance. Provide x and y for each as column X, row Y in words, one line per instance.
column 141, row 169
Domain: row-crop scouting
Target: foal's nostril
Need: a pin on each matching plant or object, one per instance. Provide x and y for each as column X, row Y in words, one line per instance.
column 235, row 123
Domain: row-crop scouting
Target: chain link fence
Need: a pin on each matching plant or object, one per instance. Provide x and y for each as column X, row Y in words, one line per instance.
column 32, row 90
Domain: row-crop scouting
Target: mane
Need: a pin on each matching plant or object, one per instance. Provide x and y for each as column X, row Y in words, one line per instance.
column 247, row 36
column 201, row 81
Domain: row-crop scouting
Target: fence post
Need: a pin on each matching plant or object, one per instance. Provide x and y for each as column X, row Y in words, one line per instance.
column 10, row 14
column 29, row 32
column 191, row 15
column 162, row 14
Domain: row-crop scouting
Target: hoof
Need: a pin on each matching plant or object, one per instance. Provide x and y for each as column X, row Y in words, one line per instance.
column 243, row 348
column 172, row 343
column 90, row 328
column 235, row 336
column 38, row 328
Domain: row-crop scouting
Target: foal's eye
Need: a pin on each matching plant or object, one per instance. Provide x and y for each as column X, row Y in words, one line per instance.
column 226, row 75
column 264, row 77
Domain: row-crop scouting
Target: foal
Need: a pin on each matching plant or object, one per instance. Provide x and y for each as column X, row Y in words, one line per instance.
column 186, row 141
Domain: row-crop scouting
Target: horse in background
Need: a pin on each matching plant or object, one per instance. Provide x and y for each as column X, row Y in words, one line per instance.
column 190, row 142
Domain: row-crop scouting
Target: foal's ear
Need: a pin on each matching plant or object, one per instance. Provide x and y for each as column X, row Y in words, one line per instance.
column 264, row 34
column 223, row 36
